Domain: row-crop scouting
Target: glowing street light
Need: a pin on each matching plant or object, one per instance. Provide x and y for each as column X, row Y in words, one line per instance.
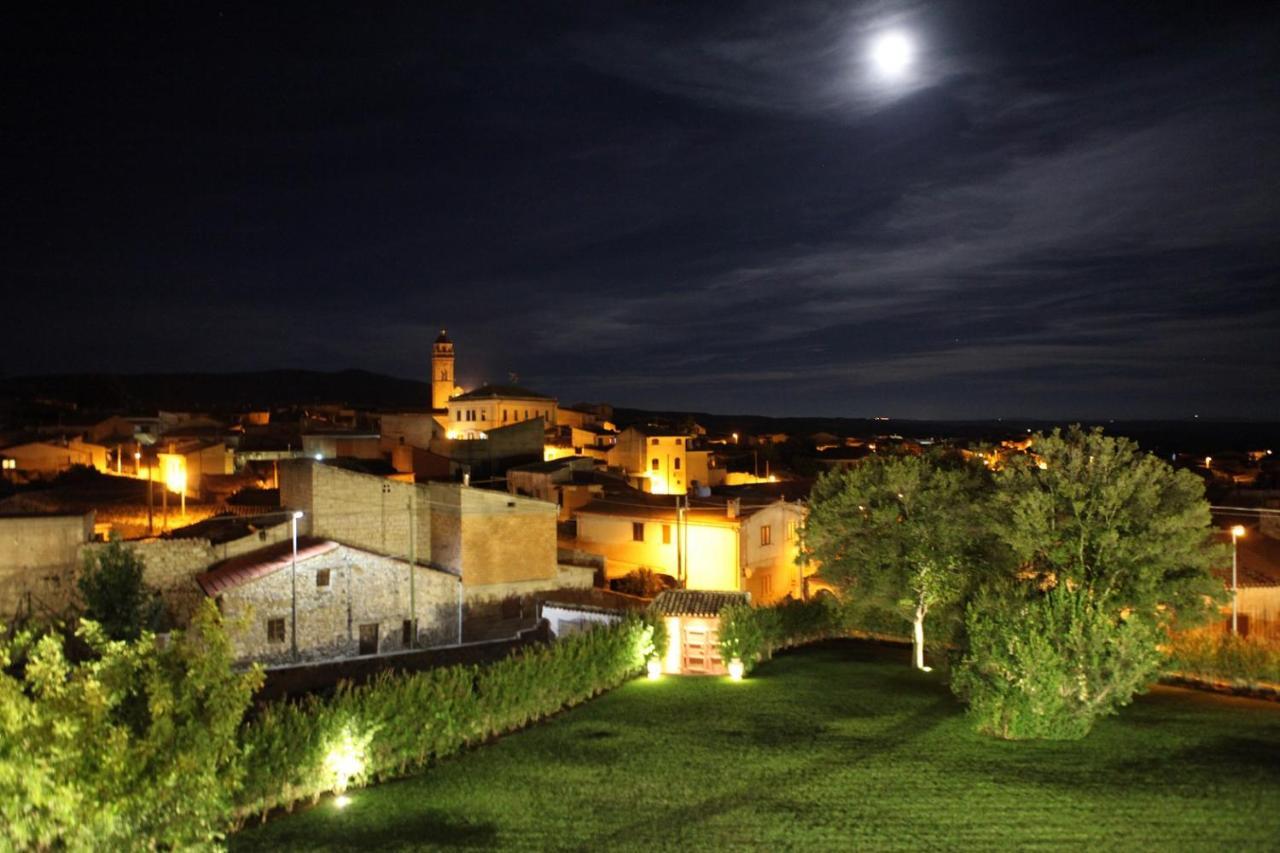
column 1237, row 532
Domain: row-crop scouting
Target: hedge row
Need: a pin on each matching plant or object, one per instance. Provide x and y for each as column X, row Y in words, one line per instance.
column 752, row 634
column 1210, row 656
column 295, row 752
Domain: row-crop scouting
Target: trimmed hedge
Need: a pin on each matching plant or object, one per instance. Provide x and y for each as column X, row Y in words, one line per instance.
column 752, row 634
column 396, row 724
column 1248, row 661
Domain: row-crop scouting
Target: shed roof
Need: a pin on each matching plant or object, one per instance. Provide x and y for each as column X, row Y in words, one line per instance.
column 238, row 571
column 696, row 602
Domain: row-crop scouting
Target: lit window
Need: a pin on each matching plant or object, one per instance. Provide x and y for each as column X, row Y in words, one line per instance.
column 666, row 534
column 322, row 578
column 766, row 535
column 655, row 464
column 791, row 531
column 637, row 531
column 275, row 630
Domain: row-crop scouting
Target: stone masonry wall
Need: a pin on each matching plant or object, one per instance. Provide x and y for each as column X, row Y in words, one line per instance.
column 357, row 509
column 39, row 556
column 364, row 589
column 170, row 566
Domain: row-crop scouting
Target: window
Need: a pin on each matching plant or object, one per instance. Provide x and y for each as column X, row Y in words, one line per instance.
column 666, row 534
column 679, row 441
column 504, row 415
column 406, row 633
column 653, row 441
column 322, row 578
column 275, row 630
column 637, row 531
column 655, row 464
column 677, row 463
column 766, row 535
column 791, row 531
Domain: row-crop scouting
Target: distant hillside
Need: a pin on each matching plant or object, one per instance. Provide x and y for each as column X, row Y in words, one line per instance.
column 144, row 392
column 1161, row 437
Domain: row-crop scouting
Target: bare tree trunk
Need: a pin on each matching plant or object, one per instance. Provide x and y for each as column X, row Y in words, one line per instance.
column 918, row 640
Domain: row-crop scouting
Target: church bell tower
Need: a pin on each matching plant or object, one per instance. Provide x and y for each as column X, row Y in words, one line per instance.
column 441, row 371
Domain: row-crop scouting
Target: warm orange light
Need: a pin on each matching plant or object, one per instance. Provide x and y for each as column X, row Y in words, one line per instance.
column 1208, row 460
column 1237, row 532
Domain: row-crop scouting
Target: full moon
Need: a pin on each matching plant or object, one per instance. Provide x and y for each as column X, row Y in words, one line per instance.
column 892, row 53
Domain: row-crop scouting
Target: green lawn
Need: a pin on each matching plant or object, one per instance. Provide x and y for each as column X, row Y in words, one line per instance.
column 839, row 747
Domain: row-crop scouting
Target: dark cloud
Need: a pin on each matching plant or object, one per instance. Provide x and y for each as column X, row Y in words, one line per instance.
column 1063, row 210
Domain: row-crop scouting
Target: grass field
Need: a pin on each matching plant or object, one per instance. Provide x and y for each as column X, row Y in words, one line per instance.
column 830, row 748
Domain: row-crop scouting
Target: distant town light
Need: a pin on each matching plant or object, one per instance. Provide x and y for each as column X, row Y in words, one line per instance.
column 1208, row 460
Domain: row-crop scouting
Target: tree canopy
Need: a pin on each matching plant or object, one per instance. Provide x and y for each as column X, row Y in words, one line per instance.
column 904, row 530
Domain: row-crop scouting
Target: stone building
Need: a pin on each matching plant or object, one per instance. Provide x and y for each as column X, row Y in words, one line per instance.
column 714, row 544
column 39, row 558
column 348, row 602
column 659, row 460
column 491, row 406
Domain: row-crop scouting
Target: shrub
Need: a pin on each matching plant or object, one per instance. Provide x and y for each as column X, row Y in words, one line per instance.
column 642, row 582
column 1225, row 657
column 742, row 635
column 132, row 749
column 753, row 634
column 115, row 595
column 1049, row 666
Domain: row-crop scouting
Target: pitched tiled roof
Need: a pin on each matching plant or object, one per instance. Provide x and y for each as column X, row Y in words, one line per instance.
column 237, row 571
column 695, row 602
column 512, row 392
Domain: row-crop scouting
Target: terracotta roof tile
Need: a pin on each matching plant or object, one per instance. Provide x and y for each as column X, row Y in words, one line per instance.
column 238, row 571
column 696, row 602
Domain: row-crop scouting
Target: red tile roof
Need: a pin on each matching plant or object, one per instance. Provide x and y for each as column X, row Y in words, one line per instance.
column 237, row 571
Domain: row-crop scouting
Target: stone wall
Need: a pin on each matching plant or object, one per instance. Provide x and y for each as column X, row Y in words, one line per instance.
column 171, row 566
column 39, row 556
column 566, row 577
column 492, row 537
column 364, row 589
column 357, row 509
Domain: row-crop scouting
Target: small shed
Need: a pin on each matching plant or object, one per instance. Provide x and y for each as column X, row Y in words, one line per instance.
column 692, row 617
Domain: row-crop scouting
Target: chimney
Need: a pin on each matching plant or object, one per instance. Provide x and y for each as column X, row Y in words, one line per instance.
column 732, row 506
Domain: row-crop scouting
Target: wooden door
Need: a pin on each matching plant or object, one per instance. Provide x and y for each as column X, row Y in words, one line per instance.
column 701, row 651
column 369, row 639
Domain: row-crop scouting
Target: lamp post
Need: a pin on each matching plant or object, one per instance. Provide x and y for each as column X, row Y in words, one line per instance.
column 1236, row 533
column 293, row 587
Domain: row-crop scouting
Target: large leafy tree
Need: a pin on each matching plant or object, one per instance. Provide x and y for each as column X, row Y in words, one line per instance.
column 904, row 530
column 1096, row 513
column 133, row 749
column 1108, row 545
column 115, row 595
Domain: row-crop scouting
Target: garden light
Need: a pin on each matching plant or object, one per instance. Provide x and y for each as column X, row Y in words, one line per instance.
column 654, row 668
column 736, row 670
column 342, row 801
column 343, row 762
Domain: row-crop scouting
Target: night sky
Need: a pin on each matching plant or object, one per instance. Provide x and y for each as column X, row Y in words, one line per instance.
column 1059, row 210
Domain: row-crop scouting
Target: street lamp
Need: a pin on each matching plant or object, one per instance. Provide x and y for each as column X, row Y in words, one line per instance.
column 293, row 585
column 1236, row 533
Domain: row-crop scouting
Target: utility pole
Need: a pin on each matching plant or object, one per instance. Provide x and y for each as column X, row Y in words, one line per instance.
column 679, row 555
column 164, row 502
column 413, row 570
column 151, row 531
